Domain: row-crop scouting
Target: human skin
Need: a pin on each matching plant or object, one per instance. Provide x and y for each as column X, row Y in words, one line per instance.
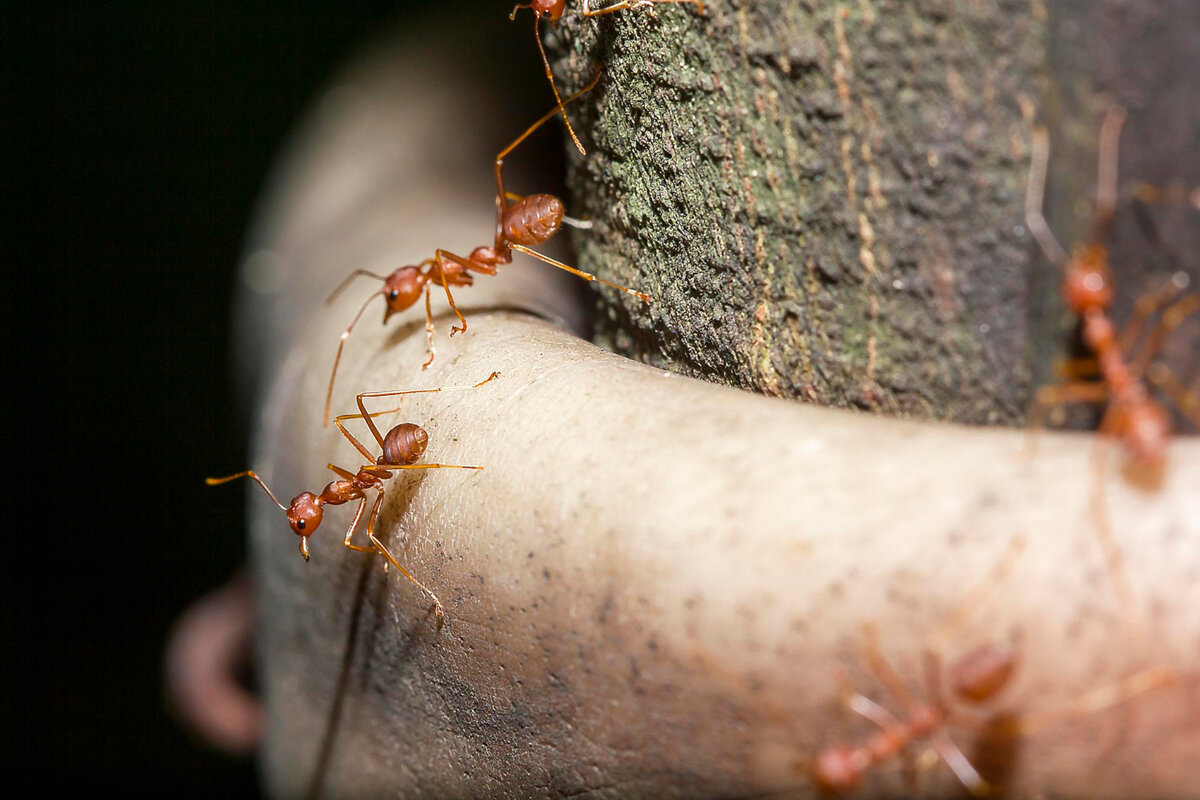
column 655, row 583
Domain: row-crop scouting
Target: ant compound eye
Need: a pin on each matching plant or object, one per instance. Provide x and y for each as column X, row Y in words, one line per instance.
column 393, row 294
column 301, row 524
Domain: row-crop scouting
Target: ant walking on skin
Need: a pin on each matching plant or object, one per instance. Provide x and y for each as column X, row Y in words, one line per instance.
column 1131, row 415
column 520, row 223
column 399, row 449
column 975, row 678
column 552, row 11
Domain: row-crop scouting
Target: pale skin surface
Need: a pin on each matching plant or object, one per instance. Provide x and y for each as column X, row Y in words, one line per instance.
column 653, row 585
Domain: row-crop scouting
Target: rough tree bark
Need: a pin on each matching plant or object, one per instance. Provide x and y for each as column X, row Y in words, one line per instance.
column 825, row 198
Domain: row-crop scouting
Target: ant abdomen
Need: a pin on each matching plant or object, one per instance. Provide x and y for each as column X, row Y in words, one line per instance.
column 533, row 219
column 404, row 444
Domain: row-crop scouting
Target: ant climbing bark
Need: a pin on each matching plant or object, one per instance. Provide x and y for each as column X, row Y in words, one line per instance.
column 520, row 223
column 399, row 449
column 1131, row 415
column 552, row 11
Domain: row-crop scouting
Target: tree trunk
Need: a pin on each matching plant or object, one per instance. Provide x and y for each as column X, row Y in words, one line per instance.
column 826, row 199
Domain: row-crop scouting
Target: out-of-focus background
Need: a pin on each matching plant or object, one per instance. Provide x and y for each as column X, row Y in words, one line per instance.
column 140, row 138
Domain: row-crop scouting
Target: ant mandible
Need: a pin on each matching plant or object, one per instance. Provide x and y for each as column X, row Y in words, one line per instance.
column 399, row 449
column 552, row 11
column 1132, row 416
column 520, row 223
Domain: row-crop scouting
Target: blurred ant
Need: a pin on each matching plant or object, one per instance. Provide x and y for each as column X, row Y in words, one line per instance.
column 399, row 449
column 552, row 11
column 520, row 222
column 975, row 678
column 1131, row 415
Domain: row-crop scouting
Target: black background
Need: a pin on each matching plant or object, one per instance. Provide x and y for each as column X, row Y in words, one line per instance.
column 141, row 135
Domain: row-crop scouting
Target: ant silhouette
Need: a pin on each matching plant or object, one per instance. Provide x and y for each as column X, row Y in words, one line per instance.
column 1132, row 416
column 520, row 223
column 552, row 11
column 399, row 449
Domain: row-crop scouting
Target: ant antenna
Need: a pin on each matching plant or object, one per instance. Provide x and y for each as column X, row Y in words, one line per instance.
column 248, row 474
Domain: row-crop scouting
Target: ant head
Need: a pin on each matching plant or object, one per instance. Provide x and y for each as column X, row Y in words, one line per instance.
column 304, row 515
column 404, row 444
column 1086, row 283
column 403, row 288
column 548, row 9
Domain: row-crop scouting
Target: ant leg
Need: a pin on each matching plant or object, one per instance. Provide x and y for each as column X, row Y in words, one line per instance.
column 359, row 446
column 624, row 4
column 428, row 331
column 362, row 409
column 422, row 466
column 338, row 357
column 537, row 37
column 442, row 256
column 1071, row 369
column 587, row 276
column 362, row 504
column 345, row 474
column 1034, row 193
column 383, row 551
column 958, row 763
column 1185, row 399
column 1145, row 308
column 1171, row 318
column 1100, row 699
column 1061, row 394
column 499, row 165
column 1106, row 171
column 1113, row 560
column 1174, row 195
column 939, row 640
column 883, row 670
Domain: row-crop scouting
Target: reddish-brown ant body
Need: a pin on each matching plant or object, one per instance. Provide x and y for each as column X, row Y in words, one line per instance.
column 975, row 678
column 1132, row 415
column 552, row 11
column 399, row 449
column 1141, row 423
column 521, row 222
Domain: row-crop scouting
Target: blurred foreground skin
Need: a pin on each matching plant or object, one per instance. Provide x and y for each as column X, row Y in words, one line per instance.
column 657, row 587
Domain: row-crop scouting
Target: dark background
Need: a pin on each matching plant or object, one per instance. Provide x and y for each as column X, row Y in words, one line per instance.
column 141, row 139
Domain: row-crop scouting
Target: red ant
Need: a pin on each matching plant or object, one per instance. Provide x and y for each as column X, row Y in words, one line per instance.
column 520, row 223
column 975, row 678
column 552, row 11
column 1141, row 423
column 399, row 449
